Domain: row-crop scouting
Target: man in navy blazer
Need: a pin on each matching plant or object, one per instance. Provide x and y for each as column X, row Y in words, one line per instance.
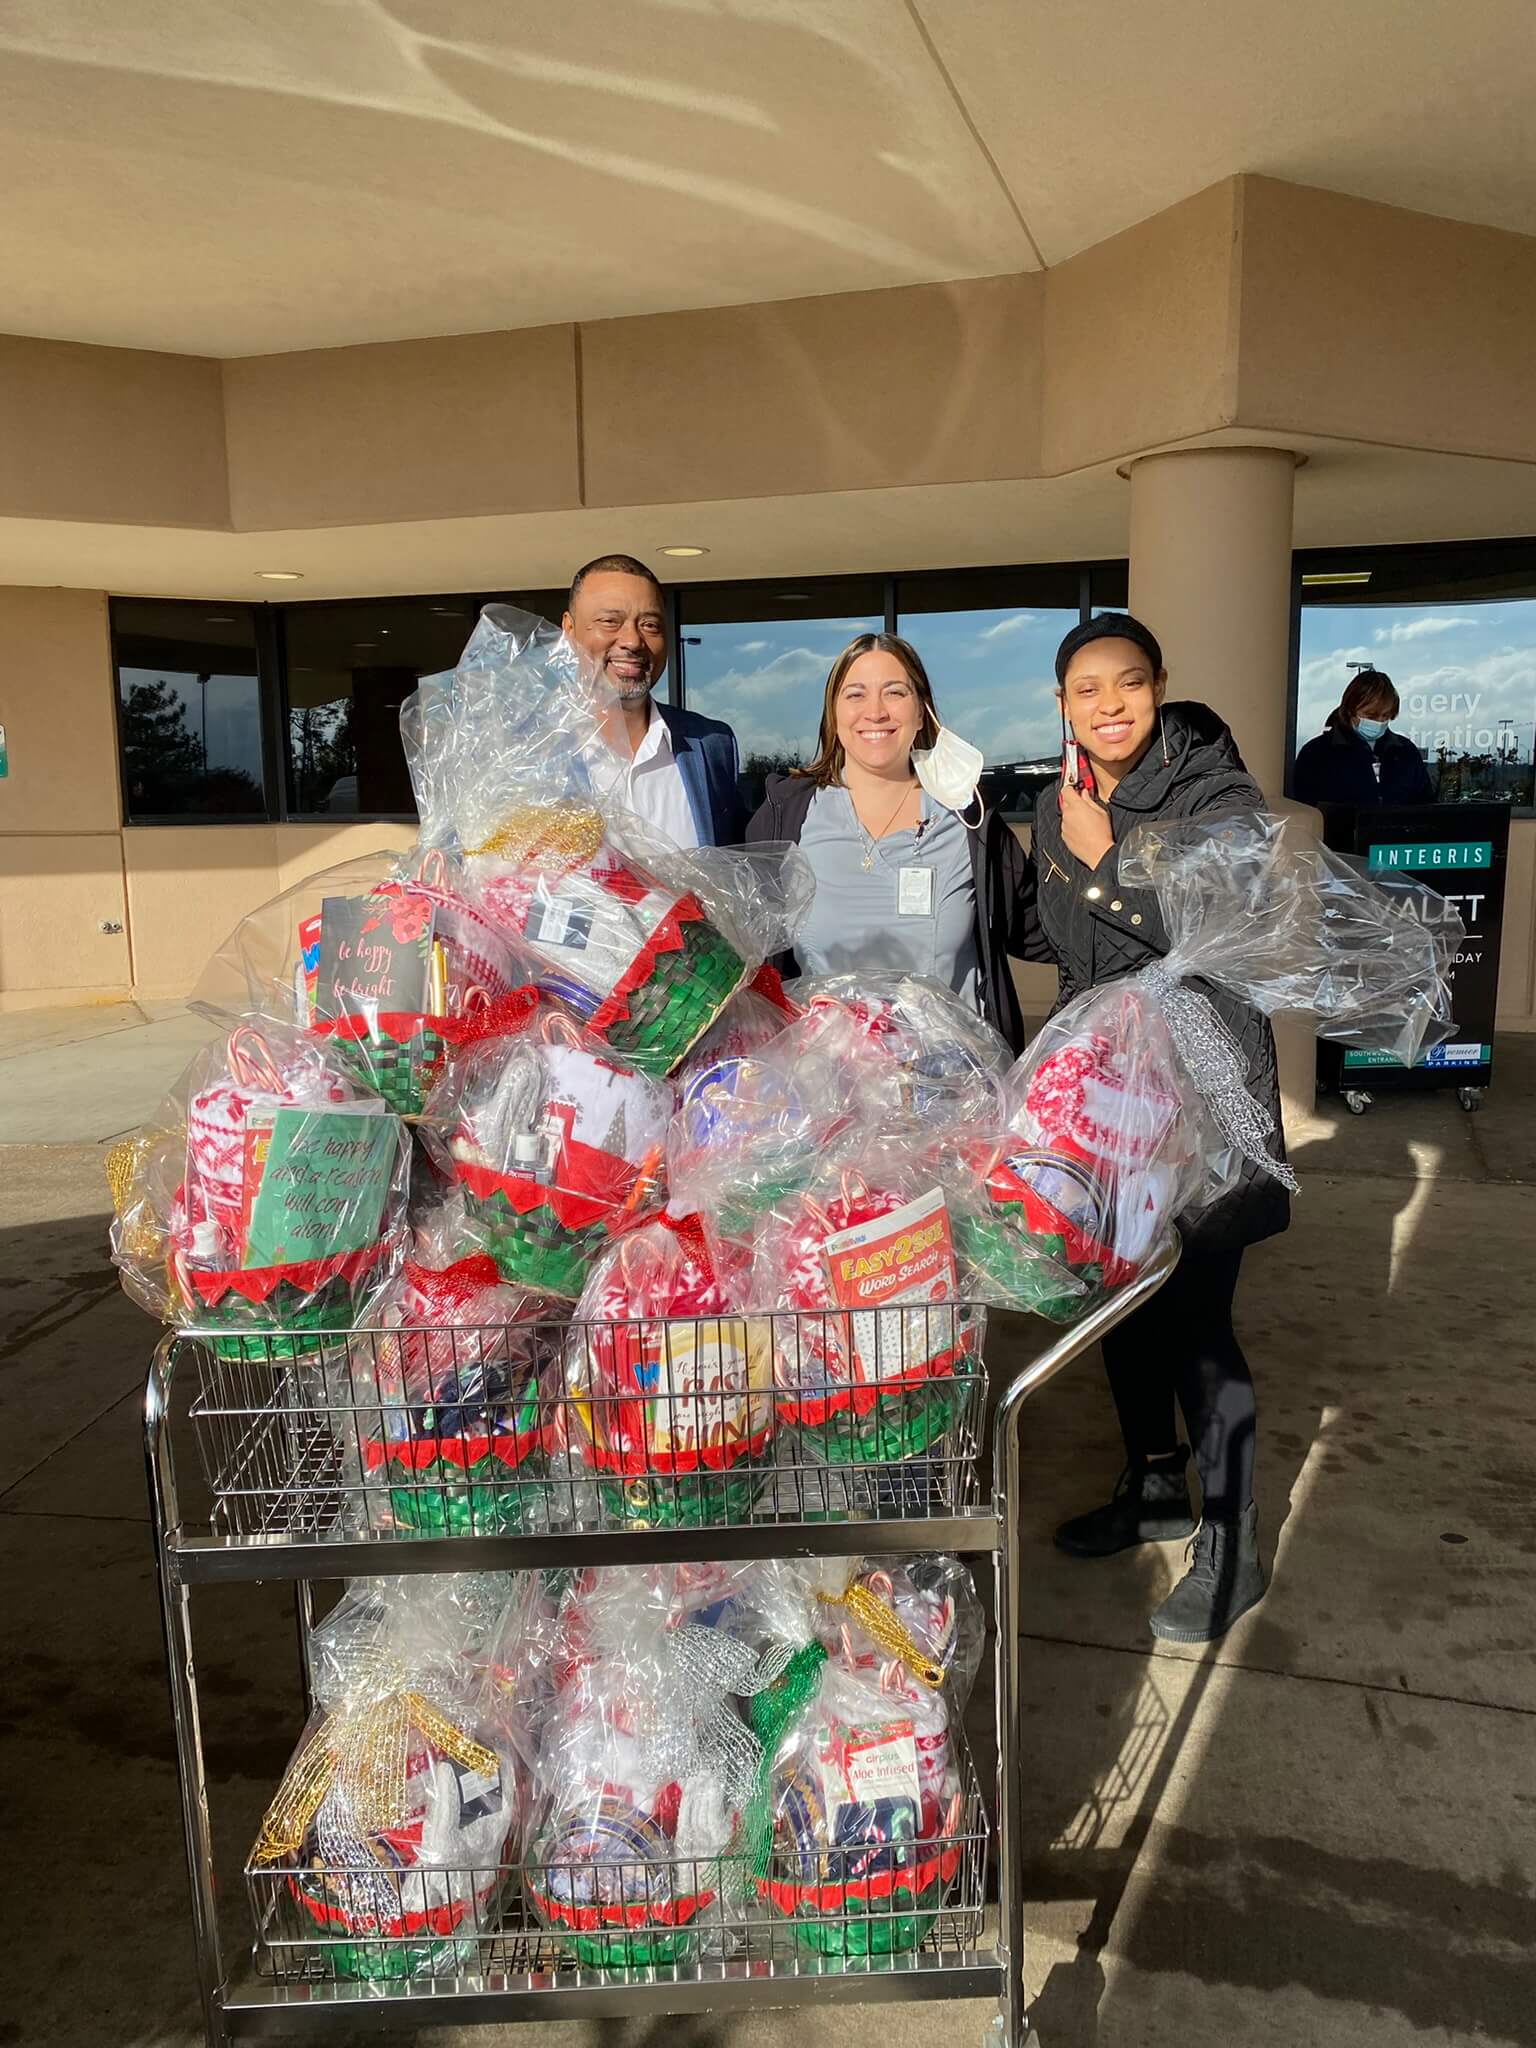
column 673, row 768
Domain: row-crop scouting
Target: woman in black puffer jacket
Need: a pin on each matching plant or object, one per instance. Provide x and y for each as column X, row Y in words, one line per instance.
column 1138, row 758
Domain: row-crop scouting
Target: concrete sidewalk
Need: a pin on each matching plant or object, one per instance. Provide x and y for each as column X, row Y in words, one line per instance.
column 1322, row 1830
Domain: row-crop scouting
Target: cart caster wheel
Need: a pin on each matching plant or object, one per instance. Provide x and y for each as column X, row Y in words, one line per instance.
column 1357, row 1099
column 1470, row 1099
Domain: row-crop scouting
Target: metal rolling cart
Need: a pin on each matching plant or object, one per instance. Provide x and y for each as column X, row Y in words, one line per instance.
column 284, row 1427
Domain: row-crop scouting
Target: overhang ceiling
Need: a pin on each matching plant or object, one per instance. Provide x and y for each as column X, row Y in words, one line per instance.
column 224, row 177
column 1346, row 494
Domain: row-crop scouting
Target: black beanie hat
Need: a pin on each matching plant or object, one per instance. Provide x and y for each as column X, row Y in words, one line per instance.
column 1108, row 626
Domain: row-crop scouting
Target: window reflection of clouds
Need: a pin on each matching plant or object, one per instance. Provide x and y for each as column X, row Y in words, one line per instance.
column 766, row 678
column 1459, row 671
column 993, row 676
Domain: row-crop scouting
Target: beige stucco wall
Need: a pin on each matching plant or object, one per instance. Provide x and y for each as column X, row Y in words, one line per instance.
column 1140, row 333
column 930, row 384
column 115, row 434
column 469, row 424
column 1378, row 324
column 1255, row 304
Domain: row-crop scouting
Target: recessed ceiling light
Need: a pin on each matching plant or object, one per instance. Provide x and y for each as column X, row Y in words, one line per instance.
column 221, row 619
column 365, row 643
column 281, row 575
column 1321, row 577
column 793, row 596
column 685, row 551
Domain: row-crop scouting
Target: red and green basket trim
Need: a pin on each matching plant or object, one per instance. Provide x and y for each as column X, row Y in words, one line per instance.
column 605, row 1182
column 590, row 1919
column 257, row 1284
column 640, row 1463
column 400, row 1026
column 858, row 1397
column 666, row 938
column 793, row 1897
column 509, row 1448
column 436, row 1920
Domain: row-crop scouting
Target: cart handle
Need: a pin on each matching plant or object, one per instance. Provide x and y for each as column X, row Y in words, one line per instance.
column 1111, row 1310
column 1007, row 1490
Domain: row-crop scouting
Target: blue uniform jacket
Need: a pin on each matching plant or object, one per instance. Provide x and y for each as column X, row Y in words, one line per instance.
column 707, row 760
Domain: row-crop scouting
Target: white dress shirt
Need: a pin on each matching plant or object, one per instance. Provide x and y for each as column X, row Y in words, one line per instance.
column 650, row 785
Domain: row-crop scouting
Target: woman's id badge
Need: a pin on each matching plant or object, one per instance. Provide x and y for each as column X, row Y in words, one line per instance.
column 914, row 892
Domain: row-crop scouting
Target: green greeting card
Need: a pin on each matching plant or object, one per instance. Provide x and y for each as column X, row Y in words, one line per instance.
column 320, row 1179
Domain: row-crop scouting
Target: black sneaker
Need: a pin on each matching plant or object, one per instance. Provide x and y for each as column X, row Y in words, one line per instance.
column 1225, row 1578
column 1150, row 1505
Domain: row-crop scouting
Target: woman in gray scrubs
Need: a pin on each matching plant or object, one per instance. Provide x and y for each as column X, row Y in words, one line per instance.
column 903, row 882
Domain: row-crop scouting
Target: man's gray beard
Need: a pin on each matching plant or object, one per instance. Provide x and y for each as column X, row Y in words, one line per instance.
column 633, row 693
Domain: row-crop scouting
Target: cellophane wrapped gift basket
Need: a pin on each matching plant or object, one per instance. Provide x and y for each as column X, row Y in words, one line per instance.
column 385, row 958
column 266, row 1205
column 641, row 1762
column 645, row 942
column 668, row 1385
column 389, row 1839
column 554, row 1141
column 453, row 1363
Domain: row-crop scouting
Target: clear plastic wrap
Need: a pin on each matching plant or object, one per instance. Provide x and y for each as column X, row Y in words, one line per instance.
column 392, row 1829
column 459, row 1437
column 642, row 1762
column 554, row 1141
column 668, row 1393
column 882, row 1371
column 913, row 1054
column 858, row 1828
column 1134, row 1100
column 269, row 1197
column 645, row 942
column 1254, row 903
column 384, row 956
column 1106, row 1140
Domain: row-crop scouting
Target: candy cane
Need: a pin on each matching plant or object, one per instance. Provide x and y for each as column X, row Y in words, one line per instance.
column 252, row 1064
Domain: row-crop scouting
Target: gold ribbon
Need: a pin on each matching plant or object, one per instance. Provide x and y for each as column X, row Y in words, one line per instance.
column 563, row 835
column 878, row 1621
column 364, row 1755
column 141, row 1235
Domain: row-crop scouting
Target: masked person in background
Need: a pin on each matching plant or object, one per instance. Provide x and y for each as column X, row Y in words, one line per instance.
column 913, row 873
column 674, row 769
column 1130, row 757
column 1357, row 758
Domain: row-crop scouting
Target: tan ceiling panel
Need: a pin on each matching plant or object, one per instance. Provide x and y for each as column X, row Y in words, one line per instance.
column 228, row 179
column 925, row 385
column 464, row 425
column 1099, row 116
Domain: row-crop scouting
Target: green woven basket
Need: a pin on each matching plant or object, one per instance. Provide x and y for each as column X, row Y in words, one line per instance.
column 400, row 1072
column 693, row 1500
column 868, row 1933
column 482, row 1499
column 683, row 997
column 1029, row 1273
column 903, row 1424
column 287, row 1312
column 382, row 1961
column 533, row 1249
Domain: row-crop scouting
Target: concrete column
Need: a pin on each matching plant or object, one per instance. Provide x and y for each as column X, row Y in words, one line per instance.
column 1211, row 575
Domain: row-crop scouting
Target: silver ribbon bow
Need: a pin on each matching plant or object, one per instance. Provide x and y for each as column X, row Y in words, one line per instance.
column 1215, row 1063
column 695, row 1732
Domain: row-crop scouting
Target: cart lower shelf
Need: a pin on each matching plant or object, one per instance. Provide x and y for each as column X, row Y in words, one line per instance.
column 505, row 1990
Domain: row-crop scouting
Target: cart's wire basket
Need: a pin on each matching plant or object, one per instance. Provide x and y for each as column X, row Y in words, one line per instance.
column 516, row 1923
column 555, row 1426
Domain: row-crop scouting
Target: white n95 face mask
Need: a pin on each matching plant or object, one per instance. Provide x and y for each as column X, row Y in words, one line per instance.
column 950, row 770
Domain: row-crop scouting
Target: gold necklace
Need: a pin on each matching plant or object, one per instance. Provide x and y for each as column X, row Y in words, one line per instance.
column 869, row 840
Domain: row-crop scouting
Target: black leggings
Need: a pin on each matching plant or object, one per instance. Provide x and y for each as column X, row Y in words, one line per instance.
column 1181, row 1346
